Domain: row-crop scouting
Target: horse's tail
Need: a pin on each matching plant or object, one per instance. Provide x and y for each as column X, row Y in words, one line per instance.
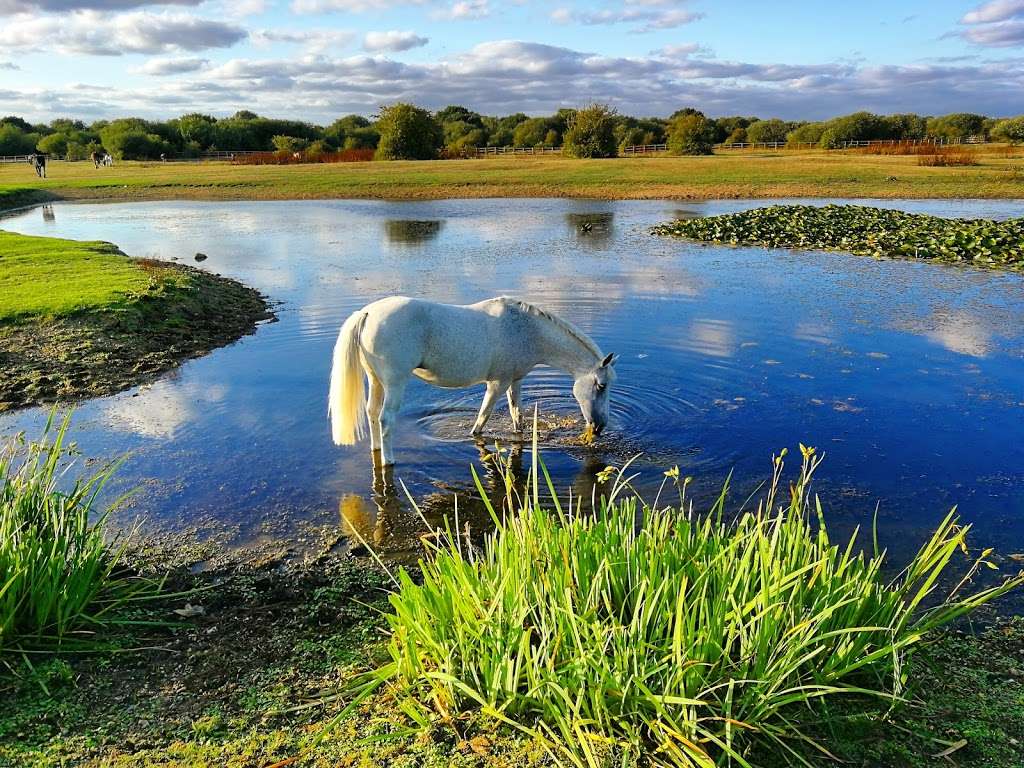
column 346, row 402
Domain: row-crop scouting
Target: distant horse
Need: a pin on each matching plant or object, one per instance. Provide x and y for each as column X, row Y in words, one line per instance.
column 107, row 159
column 97, row 159
column 38, row 161
column 496, row 342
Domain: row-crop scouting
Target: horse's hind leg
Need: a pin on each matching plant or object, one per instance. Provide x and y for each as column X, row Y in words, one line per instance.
column 374, row 406
column 393, row 392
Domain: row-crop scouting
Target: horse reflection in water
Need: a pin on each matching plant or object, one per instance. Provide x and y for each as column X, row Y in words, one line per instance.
column 391, row 526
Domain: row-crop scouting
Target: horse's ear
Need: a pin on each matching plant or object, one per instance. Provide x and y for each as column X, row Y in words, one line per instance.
column 609, row 359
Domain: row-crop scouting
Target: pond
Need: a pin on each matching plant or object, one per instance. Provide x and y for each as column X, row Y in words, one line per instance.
column 909, row 376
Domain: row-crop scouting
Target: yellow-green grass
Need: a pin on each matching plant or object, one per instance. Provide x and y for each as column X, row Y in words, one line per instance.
column 736, row 174
column 48, row 277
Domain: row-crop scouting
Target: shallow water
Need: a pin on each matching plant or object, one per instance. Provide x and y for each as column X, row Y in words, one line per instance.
column 909, row 376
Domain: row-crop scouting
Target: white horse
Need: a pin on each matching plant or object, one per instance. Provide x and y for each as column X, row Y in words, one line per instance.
column 496, row 342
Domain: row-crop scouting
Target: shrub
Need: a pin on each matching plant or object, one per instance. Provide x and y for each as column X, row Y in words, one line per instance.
column 54, row 144
column 407, row 133
column 860, row 126
column 14, row 141
column 808, row 133
column 289, row 144
column 738, row 136
column 1010, row 130
column 690, row 133
column 58, row 572
column 133, row 139
column 677, row 641
column 958, row 125
column 944, row 157
column 591, row 132
column 530, row 133
column 765, row 131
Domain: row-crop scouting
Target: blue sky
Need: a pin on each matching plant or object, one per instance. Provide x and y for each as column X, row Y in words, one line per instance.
column 318, row 59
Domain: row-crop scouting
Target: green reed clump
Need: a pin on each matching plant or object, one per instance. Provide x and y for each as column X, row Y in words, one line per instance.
column 864, row 231
column 59, row 579
column 662, row 635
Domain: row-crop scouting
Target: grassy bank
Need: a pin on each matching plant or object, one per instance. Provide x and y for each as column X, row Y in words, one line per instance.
column 740, row 174
column 82, row 319
column 574, row 640
column 247, row 678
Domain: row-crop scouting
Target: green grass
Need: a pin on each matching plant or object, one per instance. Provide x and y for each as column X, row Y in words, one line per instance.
column 725, row 175
column 58, row 573
column 48, row 277
column 685, row 641
column 876, row 232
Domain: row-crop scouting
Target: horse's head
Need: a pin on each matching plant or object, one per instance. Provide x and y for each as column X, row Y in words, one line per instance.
column 591, row 391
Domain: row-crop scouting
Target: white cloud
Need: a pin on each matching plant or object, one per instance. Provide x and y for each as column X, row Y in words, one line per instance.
column 347, row 6
column 649, row 16
column 98, row 34
column 465, row 9
column 996, row 24
column 504, row 76
column 996, row 10
column 65, row 6
column 163, row 67
column 313, row 40
column 393, row 41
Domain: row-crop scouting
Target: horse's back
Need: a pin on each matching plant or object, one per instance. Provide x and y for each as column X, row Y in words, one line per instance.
column 447, row 344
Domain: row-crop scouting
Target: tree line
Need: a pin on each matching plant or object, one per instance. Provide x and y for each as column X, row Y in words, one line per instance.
column 405, row 131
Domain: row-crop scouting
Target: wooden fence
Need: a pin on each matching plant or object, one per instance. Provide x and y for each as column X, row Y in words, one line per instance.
column 25, row 158
column 484, row 151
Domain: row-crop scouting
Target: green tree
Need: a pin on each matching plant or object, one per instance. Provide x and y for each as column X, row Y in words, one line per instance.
column 14, row 141
column 20, row 123
column 591, row 132
column 54, row 144
column 690, row 133
column 289, row 144
column 958, row 125
column 132, row 138
column 905, row 127
column 407, row 133
column 198, row 128
column 766, row 131
column 807, row 133
column 530, row 133
column 1010, row 130
column 738, row 136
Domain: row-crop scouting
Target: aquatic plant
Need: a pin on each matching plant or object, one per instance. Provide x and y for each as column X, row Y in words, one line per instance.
column 666, row 635
column 862, row 230
column 60, row 578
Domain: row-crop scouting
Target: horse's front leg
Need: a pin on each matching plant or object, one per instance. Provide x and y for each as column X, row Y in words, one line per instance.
column 491, row 395
column 514, row 391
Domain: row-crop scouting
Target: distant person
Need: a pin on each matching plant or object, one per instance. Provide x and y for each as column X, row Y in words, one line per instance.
column 107, row 159
column 163, row 158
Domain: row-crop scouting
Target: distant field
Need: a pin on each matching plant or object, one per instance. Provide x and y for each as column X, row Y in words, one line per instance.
column 737, row 174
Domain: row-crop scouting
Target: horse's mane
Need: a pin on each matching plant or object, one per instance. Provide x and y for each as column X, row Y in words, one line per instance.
column 565, row 325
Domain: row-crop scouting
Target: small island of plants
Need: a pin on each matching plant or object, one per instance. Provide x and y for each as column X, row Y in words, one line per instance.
column 866, row 231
